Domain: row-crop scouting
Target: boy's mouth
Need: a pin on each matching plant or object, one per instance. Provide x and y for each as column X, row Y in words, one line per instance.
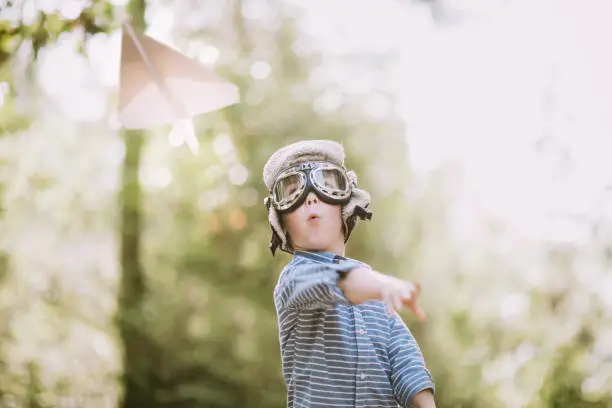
column 313, row 217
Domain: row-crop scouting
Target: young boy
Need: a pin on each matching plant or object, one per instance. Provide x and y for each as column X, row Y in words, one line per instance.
column 342, row 342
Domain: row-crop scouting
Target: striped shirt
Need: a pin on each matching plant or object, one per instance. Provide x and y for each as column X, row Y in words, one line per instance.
column 336, row 354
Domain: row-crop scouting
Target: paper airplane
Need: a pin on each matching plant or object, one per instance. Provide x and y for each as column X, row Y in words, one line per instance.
column 160, row 85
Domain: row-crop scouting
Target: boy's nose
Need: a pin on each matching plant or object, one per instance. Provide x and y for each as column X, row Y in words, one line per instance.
column 311, row 198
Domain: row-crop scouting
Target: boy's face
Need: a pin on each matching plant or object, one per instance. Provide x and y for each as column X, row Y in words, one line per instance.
column 315, row 226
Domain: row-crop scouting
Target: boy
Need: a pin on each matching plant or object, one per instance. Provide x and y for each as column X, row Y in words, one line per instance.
column 342, row 344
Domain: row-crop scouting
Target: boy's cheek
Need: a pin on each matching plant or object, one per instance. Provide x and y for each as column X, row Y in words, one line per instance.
column 288, row 222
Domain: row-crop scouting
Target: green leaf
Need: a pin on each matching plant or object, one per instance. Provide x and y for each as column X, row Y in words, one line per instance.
column 54, row 25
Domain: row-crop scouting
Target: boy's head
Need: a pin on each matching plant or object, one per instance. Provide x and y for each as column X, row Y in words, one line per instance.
column 313, row 201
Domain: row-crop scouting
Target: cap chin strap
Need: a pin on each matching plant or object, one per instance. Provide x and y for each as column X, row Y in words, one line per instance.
column 279, row 238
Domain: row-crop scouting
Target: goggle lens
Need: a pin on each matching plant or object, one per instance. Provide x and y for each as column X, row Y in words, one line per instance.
column 330, row 183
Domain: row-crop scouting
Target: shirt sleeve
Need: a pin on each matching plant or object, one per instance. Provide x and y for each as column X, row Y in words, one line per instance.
column 409, row 375
column 311, row 285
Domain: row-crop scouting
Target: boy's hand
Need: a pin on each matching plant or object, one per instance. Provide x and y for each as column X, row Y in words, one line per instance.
column 364, row 284
column 397, row 294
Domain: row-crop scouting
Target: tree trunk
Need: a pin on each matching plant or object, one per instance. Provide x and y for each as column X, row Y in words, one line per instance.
column 137, row 371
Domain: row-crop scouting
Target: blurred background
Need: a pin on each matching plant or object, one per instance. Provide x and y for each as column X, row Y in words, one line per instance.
column 136, row 274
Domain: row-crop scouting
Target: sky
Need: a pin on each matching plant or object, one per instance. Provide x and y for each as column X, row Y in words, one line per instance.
column 484, row 87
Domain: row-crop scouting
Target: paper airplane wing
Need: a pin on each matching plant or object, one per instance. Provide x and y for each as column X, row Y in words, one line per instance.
column 160, row 85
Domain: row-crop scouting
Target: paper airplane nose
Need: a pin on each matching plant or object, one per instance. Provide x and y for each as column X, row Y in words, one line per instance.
column 159, row 84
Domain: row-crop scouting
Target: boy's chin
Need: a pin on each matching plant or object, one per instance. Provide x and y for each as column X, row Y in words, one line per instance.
column 319, row 241
column 317, row 246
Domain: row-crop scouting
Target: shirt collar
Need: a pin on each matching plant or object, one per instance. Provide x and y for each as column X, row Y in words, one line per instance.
column 323, row 257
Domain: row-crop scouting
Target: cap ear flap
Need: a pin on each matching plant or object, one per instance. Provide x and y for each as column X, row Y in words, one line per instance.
column 279, row 238
column 356, row 209
column 352, row 178
column 275, row 242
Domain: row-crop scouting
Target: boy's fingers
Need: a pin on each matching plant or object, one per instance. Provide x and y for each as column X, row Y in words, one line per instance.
column 417, row 289
column 397, row 302
column 412, row 305
column 388, row 300
column 410, row 290
column 408, row 294
column 394, row 302
column 418, row 312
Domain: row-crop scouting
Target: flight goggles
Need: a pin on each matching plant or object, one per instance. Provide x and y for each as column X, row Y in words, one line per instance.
column 329, row 182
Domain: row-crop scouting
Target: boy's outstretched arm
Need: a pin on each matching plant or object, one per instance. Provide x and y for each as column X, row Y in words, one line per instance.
column 311, row 285
column 410, row 379
column 314, row 285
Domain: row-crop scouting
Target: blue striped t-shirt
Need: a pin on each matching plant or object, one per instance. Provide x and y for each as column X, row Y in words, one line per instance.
column 335, row 354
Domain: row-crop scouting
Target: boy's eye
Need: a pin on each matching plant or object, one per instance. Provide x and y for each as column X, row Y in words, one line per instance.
column 289, row 186
column 330, row 179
